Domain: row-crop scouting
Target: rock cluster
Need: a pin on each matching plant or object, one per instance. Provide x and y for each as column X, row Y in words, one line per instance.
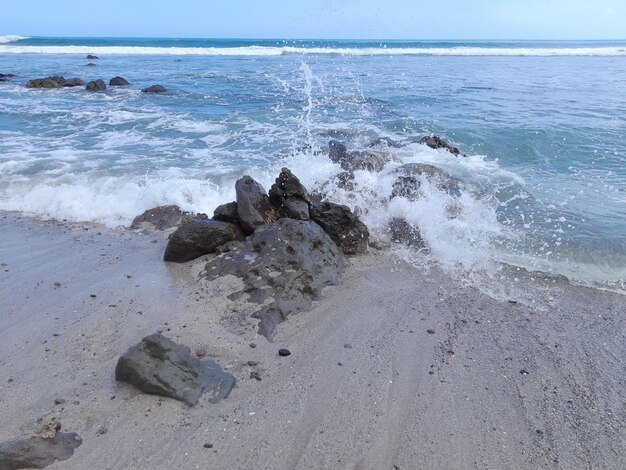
column 37, row 451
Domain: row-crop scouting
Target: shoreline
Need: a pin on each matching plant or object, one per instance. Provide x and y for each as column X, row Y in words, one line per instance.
column 496, row 385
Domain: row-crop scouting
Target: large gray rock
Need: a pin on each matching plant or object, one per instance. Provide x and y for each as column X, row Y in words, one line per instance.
column 96, row 85
column 284, row 267
column 404, row 233
column 37, row 452
column 48, row 82
column 435, row 142
column 408, row 182
column 159, row 366
column 289, row 196
column 343, row 227
column 254, row 208
column 198, row 238
column 355, row 160
column 118, row 81
column 227, row 213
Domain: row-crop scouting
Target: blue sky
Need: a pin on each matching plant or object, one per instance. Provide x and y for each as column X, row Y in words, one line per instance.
column 353, row 19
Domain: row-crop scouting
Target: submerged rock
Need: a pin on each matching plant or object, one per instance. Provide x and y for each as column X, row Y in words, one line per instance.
column 408, row 182
column 159, row 366
column 198, row 238
column 289, row 196
column 91, row 64
column 284, row 266
column 353, row 161
column 48, row 82
column 254, row 208
column 91, row 57
column 96, row 85
column 38, row 452
column 435, row 142
column 159, row 218
column 118, row 81
column 72, row 82
column 343, row 226
column 154, row 89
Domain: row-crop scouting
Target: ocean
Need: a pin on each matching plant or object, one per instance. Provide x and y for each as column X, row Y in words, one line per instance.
column 543, row 125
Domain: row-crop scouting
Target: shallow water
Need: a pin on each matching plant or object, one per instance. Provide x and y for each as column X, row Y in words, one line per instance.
column 543, row 125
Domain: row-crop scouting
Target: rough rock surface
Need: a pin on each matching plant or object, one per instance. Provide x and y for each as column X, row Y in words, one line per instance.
column 408, row 182
column 154, row 89
column 404, row 233
column 284, row 266
column 159, row 218
column 226, row 213
column 289, row 196
column 435, row 142
column 72, row 82
column 198, row 238
column 48, row 82
column 159, row 366
column 343, row 227
column 254, row 208
column 37, row 452
column 91, row 57
column 118, row 81
column 352, row 161
column 96, row 85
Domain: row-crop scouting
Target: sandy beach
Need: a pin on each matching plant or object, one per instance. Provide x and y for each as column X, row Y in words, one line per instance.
column 395, row 368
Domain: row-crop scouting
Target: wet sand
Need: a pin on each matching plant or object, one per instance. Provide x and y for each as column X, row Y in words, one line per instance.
column 394, row 368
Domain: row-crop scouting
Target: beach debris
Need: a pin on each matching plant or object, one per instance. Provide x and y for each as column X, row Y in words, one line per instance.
column 72, row 82
column 254, row 208
column 157, row 365
column 118, row 81
column 92, row 57
column 404, row 233
column 154, row 89
column 48, row 82
column 102, row 430
column 284, row 352
column 284, row 266
column 38, row 451
column 199, row 238
column 290, row 197
column 96, row 85
column 435, row 142
column 343, row 226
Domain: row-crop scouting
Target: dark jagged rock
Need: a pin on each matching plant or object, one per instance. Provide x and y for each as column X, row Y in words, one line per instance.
column 353, row 161
column 37, row 452
column 253, row 205
column 159, row 218
column 118, row 81
column 284, row 267
column 226, row 213
column 91, row 57
column 72, row 82
column 343, row 227
column 7, row 75
column 435, row 142
column 154, row 89
column 408, row 182
column 199, row 238
column 403, row 232
column 289, row 196
column 96, row 85
column 386, row 141
column 159, row 366
column 48, row 82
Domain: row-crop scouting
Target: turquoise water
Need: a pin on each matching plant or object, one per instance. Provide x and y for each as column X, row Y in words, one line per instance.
column 543, row 124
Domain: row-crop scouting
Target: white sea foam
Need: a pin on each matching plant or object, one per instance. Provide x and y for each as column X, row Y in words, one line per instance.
column 276, row 51
column 11, row 38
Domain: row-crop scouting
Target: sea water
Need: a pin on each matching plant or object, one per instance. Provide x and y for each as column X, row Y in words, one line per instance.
column 543, row 125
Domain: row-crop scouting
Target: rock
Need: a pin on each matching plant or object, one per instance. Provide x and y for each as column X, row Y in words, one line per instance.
column 405, row 233
column 96, row 85
column 353, row 161
column 343, row 226
column 284, row 267
column 208, row 446
column 201, row 352
column 59, row 401
column 430, row 332
column 37, row 452
column 72, row 82
column 284, row 352
column 435, row 142
column 154, row 89
column 91, row 57
column 289, row 196
column 408, row 183
column 253, row 205
column 255, row 375
column 384, row 141
column 199, row 238
column 226, row 213
column 91, row 64
column 48, row 82
column 118, row 81
column 159, row 218
column 6, row 75
column 159, row 366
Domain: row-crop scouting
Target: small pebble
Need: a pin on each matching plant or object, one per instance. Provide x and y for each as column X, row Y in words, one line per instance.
column 253, row 363
column 253, row 345
column 201, row 352
column 523, row 372
column 93, row 296
column 430, row 332
column 208, row 446
column 284, row 352
column 347, row 346
column 255, row 375
column 59, row 401
column 102, row 430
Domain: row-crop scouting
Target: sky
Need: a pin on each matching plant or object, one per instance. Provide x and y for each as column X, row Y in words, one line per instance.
column 318, row 19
